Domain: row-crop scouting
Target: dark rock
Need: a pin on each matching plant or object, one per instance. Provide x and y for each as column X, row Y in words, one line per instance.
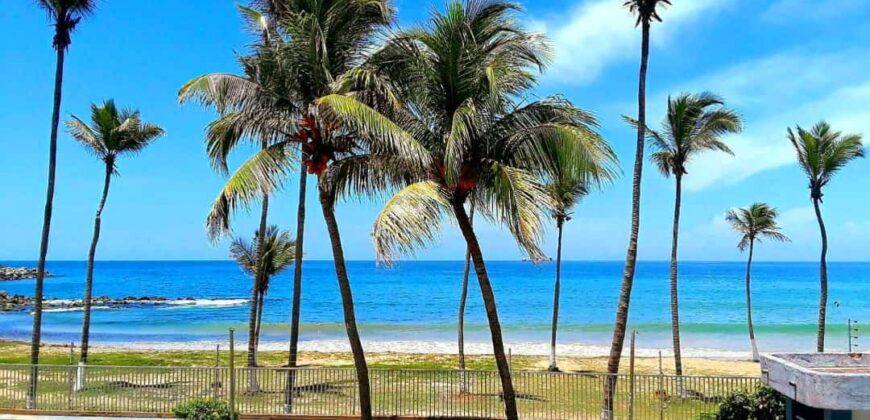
column 18, row 273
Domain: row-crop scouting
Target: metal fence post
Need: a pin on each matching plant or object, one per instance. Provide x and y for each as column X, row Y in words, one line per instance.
column 631, row 377
column 232, row 395
column 71, row 376
column 217, row 385
column 662, row 392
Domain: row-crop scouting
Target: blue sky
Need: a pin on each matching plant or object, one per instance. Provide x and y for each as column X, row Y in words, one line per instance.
column 778, row 62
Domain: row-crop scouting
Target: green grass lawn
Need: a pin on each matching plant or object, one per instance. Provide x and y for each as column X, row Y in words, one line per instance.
column 423, row 385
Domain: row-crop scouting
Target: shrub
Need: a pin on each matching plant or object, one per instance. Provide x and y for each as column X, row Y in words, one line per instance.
column 762, row 404
column 204, row 409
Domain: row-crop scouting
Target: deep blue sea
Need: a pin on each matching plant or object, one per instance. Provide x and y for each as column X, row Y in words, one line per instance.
column 416, row 302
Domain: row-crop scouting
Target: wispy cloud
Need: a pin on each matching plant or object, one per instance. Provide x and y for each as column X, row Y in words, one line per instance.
column 598, row 33
column 774, row 93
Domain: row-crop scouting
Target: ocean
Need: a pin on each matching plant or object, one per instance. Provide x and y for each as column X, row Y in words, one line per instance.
column 412, row 307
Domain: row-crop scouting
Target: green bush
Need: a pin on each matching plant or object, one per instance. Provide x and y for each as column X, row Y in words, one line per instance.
column 762, row 404
column 204, row 409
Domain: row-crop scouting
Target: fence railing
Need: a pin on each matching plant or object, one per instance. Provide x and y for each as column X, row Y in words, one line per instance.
column 333, row 391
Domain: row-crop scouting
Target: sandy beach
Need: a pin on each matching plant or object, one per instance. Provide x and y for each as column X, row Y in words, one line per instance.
column 311, row 355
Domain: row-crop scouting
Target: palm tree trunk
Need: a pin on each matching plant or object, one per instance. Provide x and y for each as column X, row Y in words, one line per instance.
column 619, row 327
column 89, row 273
column 359, row 358
column 823, row 278
column 297, row 290
column 560, row 221
column 259, row 280
column 46, row 229
column 252, row 345
column 89, row 280
column 749, row 302
column 675, row 302
column 488, row 296
column 463, row 298
column 261, row 297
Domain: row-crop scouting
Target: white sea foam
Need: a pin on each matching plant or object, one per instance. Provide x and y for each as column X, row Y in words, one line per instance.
column 436, row 347
column 217, row 303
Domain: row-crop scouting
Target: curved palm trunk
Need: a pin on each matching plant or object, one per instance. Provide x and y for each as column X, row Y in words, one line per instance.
column 297, row 290
column 359, row 358
column 89, row 280
column 46, row 229
column 253, row 328
column 749, row 302
column 488, row 296
column 560, row 221
column 823, row 278
column 675, row 302
column 619, row 327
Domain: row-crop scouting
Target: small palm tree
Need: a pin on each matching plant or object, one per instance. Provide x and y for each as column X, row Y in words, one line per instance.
column 647, row 13
column 565, row 196
column 821, row 153
column 111, row 134
column 567, row 184
column 65, row 15
column 755, row 223
column 263, row 258
column 693, row 125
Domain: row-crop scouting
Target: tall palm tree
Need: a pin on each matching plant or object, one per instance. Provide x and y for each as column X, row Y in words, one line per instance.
column 821, row 153
column 111, row 134
column 646, row 12
column 318, row 41
column 567, row 185
column 694, row 124
column 450, row 86
column 754, row 223
column 265, row 257
column 65, row 15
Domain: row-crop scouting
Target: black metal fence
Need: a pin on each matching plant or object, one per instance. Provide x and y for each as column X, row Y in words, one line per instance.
column 333, row 391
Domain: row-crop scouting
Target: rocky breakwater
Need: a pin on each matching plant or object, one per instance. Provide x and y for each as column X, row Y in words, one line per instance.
column 18, row 273
column 12, row 303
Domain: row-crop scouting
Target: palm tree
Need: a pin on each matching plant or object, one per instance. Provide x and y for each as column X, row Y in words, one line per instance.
column 265, row 257
column 314, row 43
column 755, row 223
column 450, row 86
column 646, row 12
column 112, row 133
column 694, row 124
column 567, row 185
column 821, row 153
column 65, row 15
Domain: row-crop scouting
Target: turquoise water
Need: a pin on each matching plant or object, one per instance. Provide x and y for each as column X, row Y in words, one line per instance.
column 417, row 301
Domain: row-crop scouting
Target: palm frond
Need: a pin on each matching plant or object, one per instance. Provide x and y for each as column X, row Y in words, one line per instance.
column 515, row 199
column 410, row 220
column 261, row 174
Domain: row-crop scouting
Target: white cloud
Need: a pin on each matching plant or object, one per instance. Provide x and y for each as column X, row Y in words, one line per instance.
column 774, row 93
column 597, row 33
